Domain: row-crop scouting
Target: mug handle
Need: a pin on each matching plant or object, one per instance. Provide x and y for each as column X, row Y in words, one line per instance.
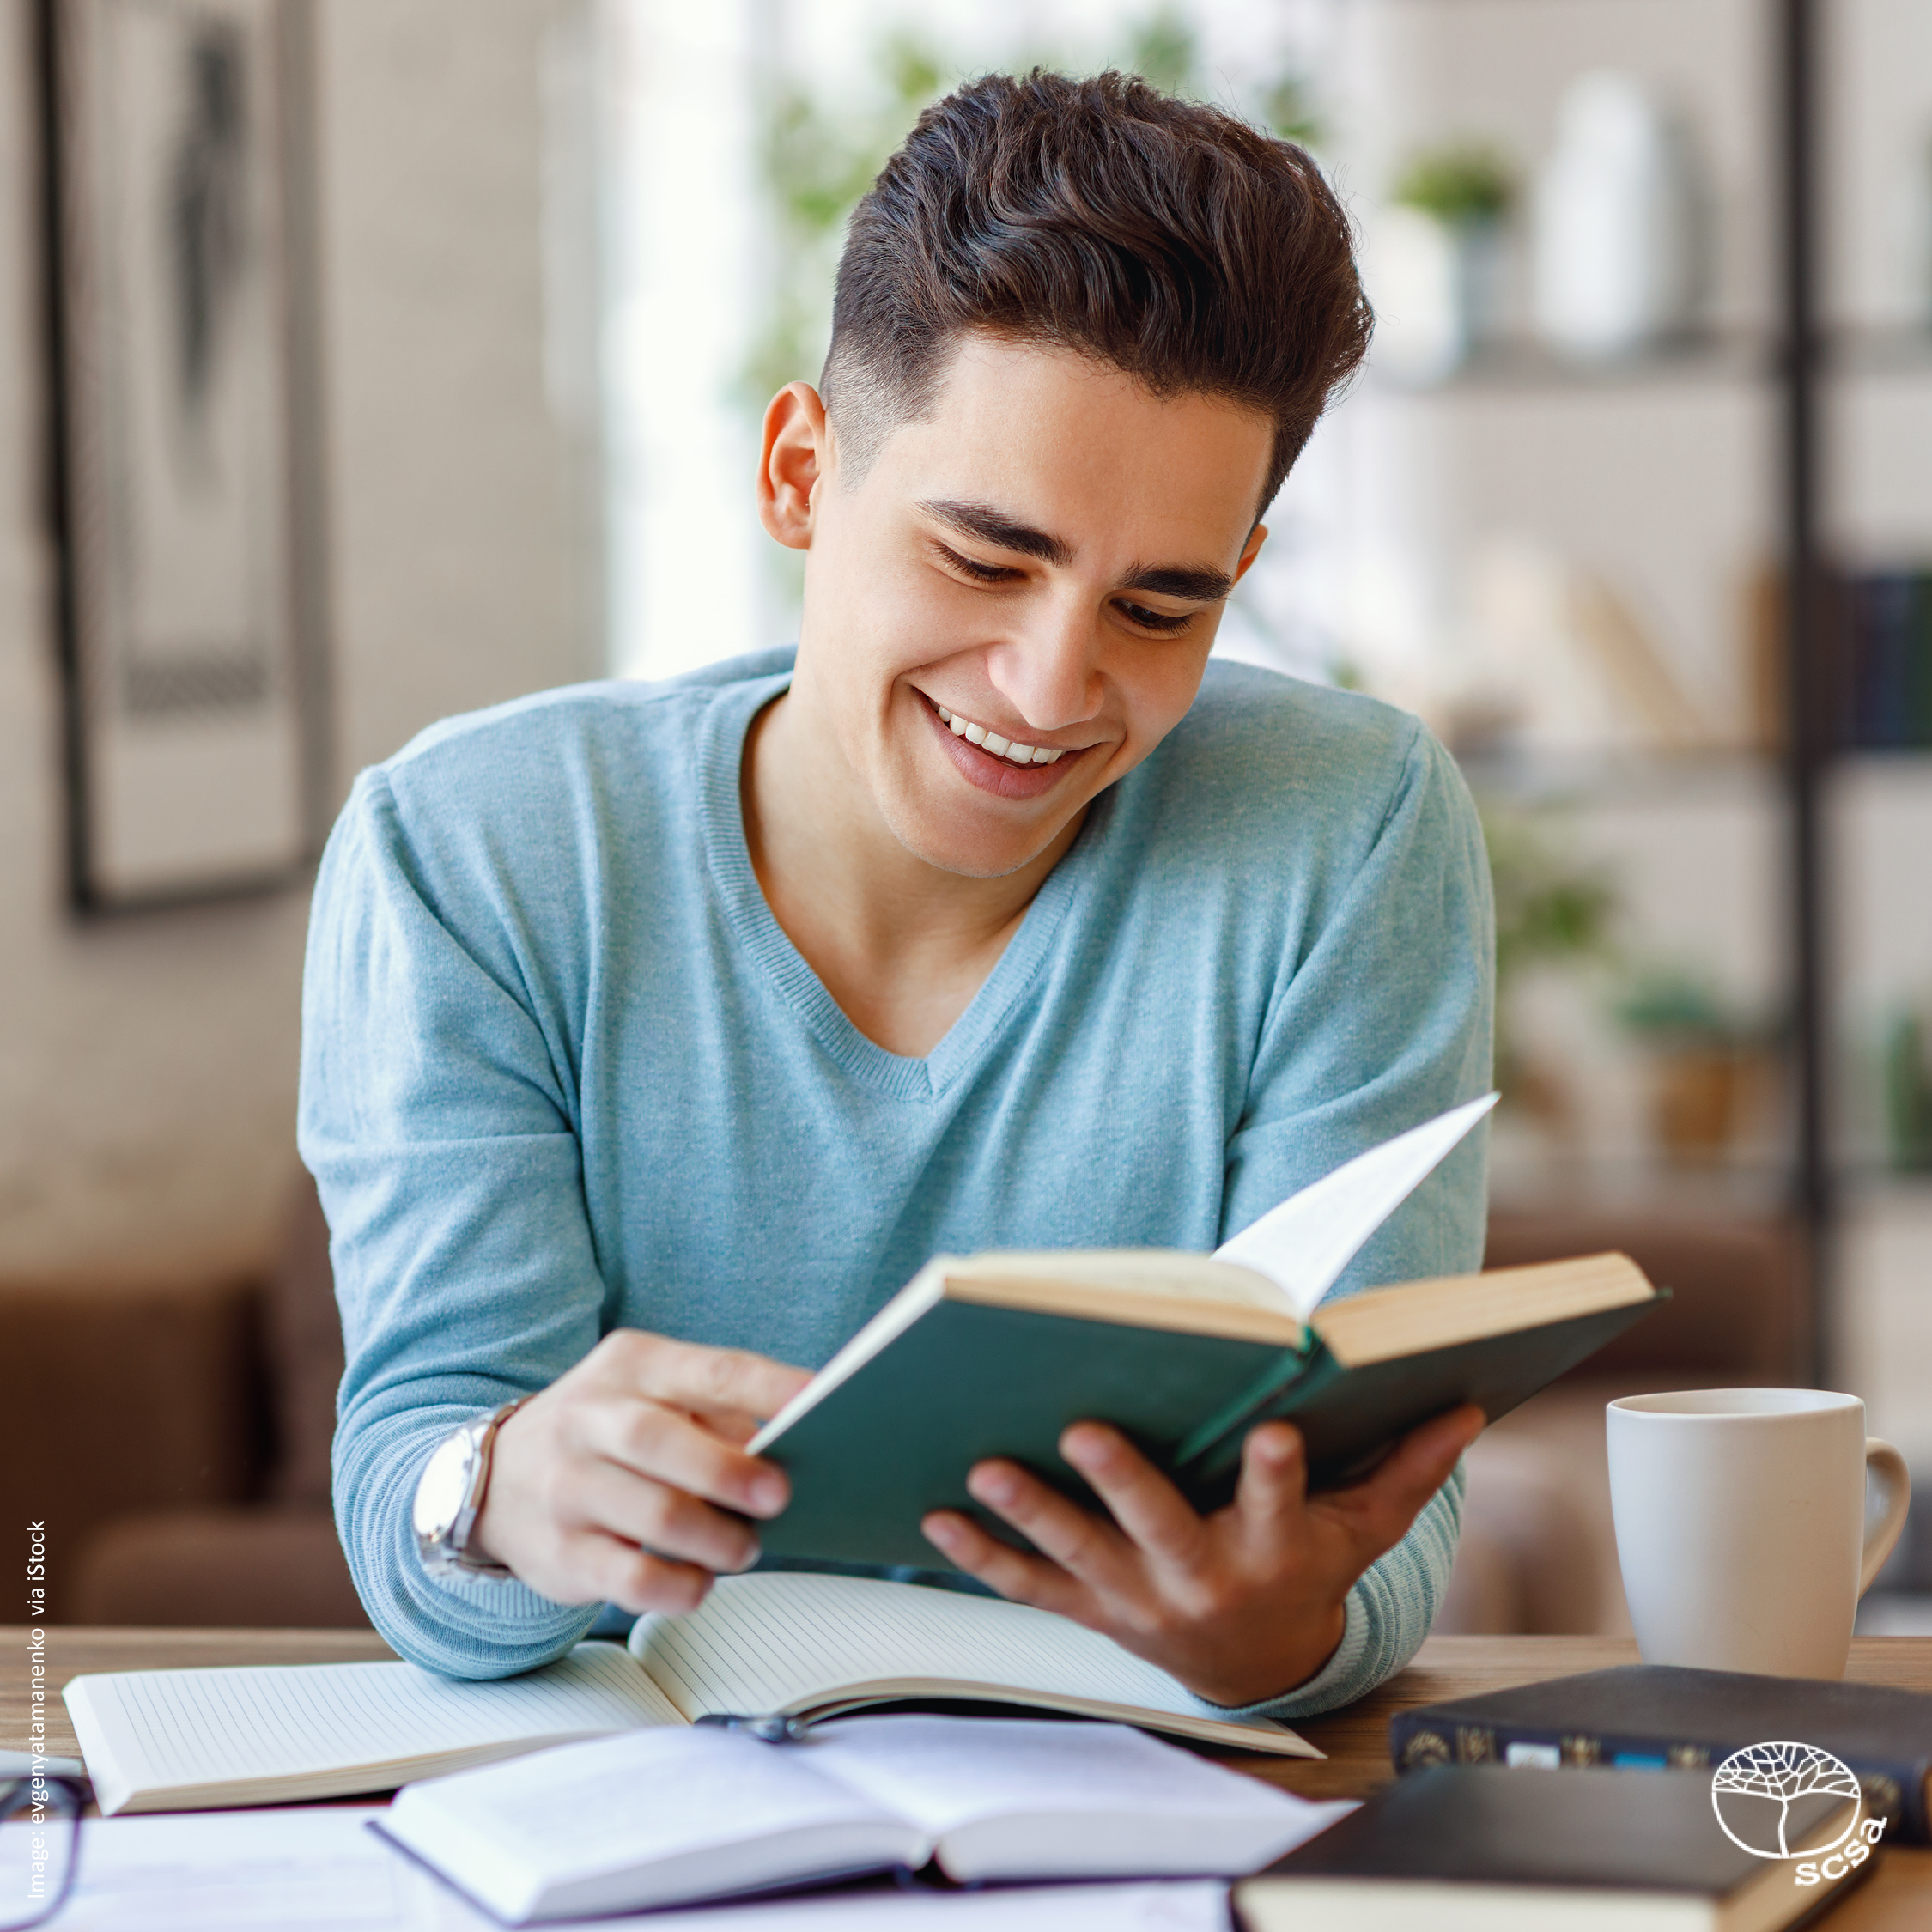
column 1891, row 1466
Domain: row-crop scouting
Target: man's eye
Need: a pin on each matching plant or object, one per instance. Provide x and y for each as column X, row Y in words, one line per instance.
column 980, row 572
column 1154, row 620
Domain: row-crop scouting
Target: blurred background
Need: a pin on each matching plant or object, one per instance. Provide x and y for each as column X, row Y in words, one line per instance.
column 366, row 361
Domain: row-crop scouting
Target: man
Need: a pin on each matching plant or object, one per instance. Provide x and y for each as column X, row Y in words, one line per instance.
column 655, row 1035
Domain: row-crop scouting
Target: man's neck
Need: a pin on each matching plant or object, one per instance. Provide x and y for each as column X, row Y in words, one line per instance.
column 902, row 946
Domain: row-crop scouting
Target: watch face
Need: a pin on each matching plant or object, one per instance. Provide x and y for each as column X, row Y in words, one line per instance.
column 446, row 1481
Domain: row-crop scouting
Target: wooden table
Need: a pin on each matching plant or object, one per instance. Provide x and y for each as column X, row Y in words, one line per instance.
column 1898, row 1899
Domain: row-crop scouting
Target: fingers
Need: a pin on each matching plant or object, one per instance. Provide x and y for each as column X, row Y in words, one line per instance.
column 1077, row 1539
column 1141, row 1500
column 1382, row 1506
column 638, row 1580
column 1271, row 1497
column 1421, row 1462
column 667, row 1446
column 1013, row 1573
column 664, row 1521
column 731, row 1382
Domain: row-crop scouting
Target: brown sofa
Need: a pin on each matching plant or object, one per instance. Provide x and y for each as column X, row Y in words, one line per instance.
column 181, row 1430
column 186, row 1425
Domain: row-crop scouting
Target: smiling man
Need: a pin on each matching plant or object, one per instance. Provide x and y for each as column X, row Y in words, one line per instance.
column 654, row 1035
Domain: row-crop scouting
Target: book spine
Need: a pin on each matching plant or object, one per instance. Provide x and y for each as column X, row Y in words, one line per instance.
column 1214, row 1447
column 1900, row 1792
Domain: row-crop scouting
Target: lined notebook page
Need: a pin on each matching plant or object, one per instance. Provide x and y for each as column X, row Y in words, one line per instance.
column 800, row 1643
column 166, row 1729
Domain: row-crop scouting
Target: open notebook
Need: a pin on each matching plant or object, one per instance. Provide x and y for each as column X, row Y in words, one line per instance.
column 796, row 1645
column 658, row 1817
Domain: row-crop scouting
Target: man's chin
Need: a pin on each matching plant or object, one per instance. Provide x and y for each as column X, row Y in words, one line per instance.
column 970, row 852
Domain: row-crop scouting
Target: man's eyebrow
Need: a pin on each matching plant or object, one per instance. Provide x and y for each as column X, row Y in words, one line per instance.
column 1196, row 585
column 993, row 527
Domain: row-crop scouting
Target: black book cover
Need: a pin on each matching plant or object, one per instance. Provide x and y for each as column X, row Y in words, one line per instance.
column 1653, row 1716
column 1595, row 1831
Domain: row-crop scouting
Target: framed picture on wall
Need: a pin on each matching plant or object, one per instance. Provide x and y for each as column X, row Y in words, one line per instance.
column 190, row 617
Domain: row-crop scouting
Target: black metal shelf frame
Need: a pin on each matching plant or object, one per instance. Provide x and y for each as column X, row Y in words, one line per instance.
column 1799, row 51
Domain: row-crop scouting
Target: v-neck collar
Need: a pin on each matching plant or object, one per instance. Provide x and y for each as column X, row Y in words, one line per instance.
column 720, row 754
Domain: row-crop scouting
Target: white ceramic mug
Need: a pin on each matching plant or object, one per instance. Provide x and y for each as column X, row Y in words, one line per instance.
column 1741, row 1525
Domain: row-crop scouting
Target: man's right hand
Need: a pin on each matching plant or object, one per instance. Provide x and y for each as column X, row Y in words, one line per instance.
column 612, row 1486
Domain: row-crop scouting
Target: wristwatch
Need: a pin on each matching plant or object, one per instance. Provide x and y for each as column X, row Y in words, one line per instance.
column 449, row 1497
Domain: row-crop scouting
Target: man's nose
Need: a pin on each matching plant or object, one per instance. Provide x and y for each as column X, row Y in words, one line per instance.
column 1049, row 670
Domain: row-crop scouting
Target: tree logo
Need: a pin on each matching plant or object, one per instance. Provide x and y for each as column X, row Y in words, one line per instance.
column 1753, row 1792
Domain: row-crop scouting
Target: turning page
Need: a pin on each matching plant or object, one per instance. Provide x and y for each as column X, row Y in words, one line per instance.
column 1304, row 1244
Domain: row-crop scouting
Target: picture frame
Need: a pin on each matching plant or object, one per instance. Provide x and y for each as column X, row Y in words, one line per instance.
column 185, row 415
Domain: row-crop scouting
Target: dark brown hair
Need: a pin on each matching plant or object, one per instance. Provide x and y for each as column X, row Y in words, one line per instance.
column 1166, row 239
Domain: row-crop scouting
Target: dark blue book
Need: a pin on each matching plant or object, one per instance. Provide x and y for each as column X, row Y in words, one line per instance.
column 1463, row 1850
column 1883, row 621
column 1657, row 1717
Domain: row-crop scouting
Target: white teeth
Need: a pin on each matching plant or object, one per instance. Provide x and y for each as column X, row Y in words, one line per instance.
column 993, row 741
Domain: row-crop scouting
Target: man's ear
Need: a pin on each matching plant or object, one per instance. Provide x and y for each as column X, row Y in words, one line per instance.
column 1251, row 550
column 797, row 458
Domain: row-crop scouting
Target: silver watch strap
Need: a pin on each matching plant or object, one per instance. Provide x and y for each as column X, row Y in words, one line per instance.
column 448, row 1553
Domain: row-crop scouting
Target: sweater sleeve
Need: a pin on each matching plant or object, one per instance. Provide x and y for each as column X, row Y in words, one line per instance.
column 435, row 1114
column 1383, row 1023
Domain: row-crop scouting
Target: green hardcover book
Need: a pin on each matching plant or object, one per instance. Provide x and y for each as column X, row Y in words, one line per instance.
column 997, row 1354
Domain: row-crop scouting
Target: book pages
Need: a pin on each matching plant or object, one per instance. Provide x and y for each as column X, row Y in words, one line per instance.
column 1304, row 1244
column 227, row 1731
column 651, row 1818
column 1020, row 1798
column 812, row 1644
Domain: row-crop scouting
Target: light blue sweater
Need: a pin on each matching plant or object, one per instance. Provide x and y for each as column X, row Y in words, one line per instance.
column 563, row 1071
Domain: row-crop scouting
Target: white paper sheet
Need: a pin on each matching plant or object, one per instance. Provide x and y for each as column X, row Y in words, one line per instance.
column 1191, row 1905
column 1304, row 1244
column 320, row 1870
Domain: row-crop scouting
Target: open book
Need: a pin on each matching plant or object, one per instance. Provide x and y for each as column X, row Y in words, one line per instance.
column 798, row 1646
column 997, row 1354
column 661, row 1818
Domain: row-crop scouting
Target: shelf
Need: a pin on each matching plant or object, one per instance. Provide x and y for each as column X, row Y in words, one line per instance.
column 1869, row 1181
column 1620, row 775
column 1524, row 364
column 1913, row 759
column 1728, row 356
column 1732, row 1190
column 1890, row 351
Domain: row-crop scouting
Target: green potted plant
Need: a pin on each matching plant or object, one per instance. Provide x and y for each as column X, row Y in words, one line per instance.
column 1551, row 910
column 1441, row 254
column 1706, row 1059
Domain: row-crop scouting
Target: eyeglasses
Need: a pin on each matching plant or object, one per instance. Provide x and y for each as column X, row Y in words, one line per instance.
column 39, row 1846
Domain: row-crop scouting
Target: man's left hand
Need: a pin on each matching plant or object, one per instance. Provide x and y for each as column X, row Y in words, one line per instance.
column 1240, row 1606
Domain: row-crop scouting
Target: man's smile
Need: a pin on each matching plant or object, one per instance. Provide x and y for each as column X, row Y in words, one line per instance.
column 992, row 741
column 993, row 763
